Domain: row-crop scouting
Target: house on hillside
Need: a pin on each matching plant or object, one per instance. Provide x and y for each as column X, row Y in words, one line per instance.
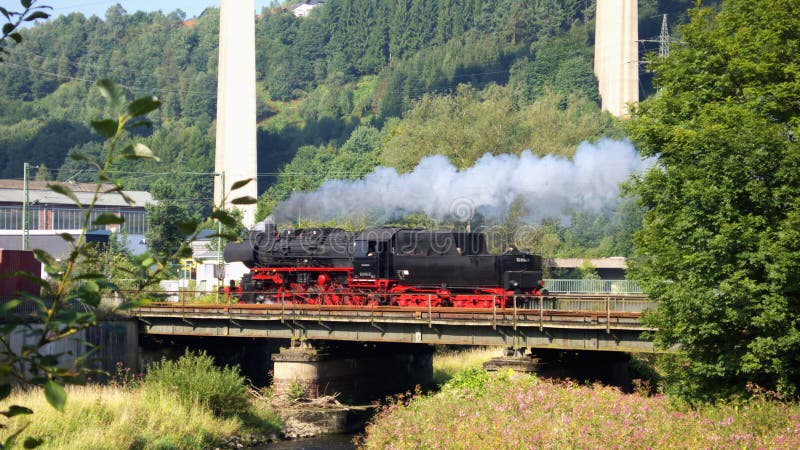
column 50, row 214
column 206, row 270
column 304, row 9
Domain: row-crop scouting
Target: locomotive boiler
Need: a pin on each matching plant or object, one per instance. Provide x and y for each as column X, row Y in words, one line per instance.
column 382, row 266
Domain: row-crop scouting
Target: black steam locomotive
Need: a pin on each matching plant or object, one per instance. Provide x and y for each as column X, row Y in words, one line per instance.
column 381, row 266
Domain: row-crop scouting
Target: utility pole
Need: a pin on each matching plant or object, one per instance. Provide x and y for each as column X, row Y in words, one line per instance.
column 25, row 200
column 219, row 271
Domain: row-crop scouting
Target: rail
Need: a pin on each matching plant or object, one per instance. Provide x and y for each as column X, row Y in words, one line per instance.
column 568, row 286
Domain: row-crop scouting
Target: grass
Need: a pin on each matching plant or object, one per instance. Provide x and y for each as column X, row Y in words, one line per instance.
column 108, row 417
column 159, row 411
column 511, row 410
column 447, row 363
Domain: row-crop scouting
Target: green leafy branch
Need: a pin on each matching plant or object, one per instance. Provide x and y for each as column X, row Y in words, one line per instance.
column 69, row 298
column 15, row 19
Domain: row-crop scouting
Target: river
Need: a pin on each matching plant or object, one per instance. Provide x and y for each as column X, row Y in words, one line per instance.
column 327, row 442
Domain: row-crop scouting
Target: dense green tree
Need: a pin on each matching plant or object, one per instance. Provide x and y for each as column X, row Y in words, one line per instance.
column 277, row 59
column 312, row 165
column 164, row 235
column 563, row 65
column 471, row 123
column 51, row 140
column 720, row 247
column 43, row 173
column 80, row 170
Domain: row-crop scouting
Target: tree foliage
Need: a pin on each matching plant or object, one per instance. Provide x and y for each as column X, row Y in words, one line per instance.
column 46, row 101
column 461, row 77
column 470, row 123
column 720, row 248
column 165, row 219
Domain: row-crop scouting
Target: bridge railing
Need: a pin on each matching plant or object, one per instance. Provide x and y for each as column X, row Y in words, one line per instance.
column 587, row 286
column 559, row 302
column 583, row 302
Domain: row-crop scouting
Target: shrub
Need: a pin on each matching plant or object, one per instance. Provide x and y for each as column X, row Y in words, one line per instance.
column 196, row 379
column 472, row 380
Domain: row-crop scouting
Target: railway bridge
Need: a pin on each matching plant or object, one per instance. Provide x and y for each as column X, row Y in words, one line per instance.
column 366, row 351
column 567, row 322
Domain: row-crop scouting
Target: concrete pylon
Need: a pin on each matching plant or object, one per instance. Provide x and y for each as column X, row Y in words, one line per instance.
column 236, row 104
column 616, row 54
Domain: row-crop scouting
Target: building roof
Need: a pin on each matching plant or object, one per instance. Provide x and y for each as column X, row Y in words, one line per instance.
column 12, row 191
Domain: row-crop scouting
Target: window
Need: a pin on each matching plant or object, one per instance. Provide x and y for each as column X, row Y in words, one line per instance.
column 11, row 218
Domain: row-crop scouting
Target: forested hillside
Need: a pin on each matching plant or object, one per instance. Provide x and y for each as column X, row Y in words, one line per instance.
column 359, row 83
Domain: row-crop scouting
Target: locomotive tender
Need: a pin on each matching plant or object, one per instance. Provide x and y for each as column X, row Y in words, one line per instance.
column 382, row 266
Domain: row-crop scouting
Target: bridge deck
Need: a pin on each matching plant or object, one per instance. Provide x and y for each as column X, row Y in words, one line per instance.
column 602, row 323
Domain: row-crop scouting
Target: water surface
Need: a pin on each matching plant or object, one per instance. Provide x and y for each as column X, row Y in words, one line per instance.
column 329, row 442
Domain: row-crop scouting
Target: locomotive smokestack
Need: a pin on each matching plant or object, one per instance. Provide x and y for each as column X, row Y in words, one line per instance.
column 266, row 226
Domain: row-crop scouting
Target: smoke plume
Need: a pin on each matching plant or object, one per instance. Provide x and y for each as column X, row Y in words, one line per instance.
column 549, row 186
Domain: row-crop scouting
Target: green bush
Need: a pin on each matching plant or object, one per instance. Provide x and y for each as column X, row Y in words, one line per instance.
column 472, row 380
column 195, row 379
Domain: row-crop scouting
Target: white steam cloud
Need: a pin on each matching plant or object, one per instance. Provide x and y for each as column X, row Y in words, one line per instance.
column 550, row 187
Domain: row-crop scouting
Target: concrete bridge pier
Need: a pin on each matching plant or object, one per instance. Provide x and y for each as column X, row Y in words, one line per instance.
column 357, row 372
column 609, row 368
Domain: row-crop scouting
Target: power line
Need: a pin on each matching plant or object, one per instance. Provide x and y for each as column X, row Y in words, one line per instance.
column 93, row 81
column 154, row 174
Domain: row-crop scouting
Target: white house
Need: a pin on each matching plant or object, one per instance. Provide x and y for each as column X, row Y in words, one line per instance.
column 304, row 9
column 206, row 262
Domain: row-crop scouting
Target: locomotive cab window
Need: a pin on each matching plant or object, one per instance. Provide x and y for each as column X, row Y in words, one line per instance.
column 364, row 249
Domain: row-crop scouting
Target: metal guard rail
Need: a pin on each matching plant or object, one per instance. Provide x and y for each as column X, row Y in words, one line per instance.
column 592, row 286
column 614, row 303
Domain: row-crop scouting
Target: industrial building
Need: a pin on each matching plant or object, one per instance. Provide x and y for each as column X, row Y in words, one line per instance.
column 39, row 215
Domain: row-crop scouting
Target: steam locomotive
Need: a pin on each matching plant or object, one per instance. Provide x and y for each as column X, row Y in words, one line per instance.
column 381, row 266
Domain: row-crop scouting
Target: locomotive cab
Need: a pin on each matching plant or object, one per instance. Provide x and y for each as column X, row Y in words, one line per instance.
column 371, row 259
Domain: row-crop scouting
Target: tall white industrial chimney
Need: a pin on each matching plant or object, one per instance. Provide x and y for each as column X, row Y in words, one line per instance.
column 616, row 54
column 236, row 104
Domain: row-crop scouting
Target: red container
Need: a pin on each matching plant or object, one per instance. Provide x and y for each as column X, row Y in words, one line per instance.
column 17, row 261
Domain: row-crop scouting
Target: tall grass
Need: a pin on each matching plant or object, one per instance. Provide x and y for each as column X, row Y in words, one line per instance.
column 448, row 363
column 196, row 380
column 106, row 417
column 184, row 404
column 510, row 410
